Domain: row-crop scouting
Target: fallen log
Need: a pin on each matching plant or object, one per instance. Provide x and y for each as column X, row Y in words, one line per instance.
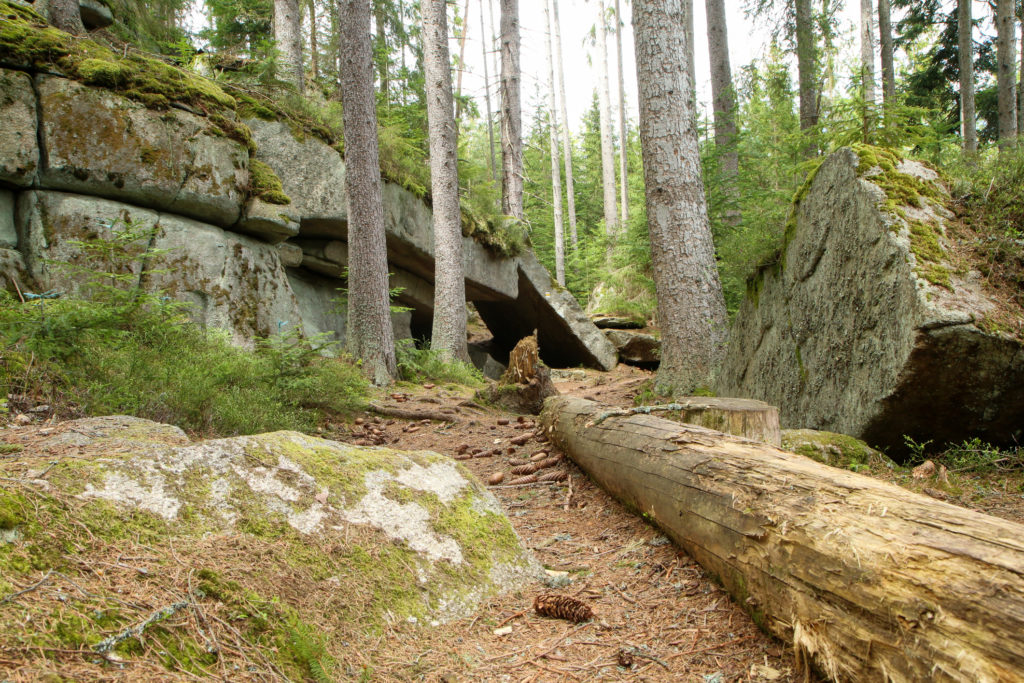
column 407, row 414
column 868, row 581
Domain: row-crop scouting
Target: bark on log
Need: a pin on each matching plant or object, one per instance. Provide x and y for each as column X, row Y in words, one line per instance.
column 867, row 580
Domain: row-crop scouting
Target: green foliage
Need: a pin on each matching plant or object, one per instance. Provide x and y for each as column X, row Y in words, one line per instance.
column 120, row 350
column 422, row 365
column 978, row 456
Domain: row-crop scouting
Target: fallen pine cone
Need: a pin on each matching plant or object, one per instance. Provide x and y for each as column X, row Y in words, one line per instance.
column 553, row 476
column 463, row 456
column 462, row 448
column 562, row 607
column 528, row 468
column 483, row 454
column 539, row 455
column 550, row 462
column 520, row 440
column 502, row 422
column 528, row 479
column 496, row 478
column 625, row 659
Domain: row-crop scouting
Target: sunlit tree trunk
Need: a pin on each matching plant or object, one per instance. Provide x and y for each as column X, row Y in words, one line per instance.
column 807, row 67
column 968, row 119
column 511, row 118
column 1020, row 79
column 620, row 26
column 570, row 190
column 381, row 51
column 691, row 62
column 461, row 65
column 288, row 37
column 487, row 96
column 885, row 43
column 1006, row 54
column 368, row 330
column 691, row 308
column 867, row 63
column 724, row 97
column 611, row 219
column 449, row 330
column 65, row 15
column 556, row 174
column 314, row 49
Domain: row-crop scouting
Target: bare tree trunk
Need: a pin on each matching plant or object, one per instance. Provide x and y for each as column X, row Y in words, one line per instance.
column 807, row 67
column 611, row 219
column 570, row 190
column 1006, row 53
column 691, row 62
column 381, row 51
column 691, row 308
column 288, row 36
column 968, row 119
column 867, row 63
column 866, row 580
column 724, row 97
column 885, row 42
column 623, row 133
column 66, row 15
column 336, row 55
column 369, row 334
column 314, row 49
column 511, row 116
column 1020, row 79
column 461, row 66
column 449, row 330
column 487, row 96
column 556, row 174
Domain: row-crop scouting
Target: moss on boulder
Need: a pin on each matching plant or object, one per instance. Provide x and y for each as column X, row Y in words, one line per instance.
column 304, row 545
column 830, row 448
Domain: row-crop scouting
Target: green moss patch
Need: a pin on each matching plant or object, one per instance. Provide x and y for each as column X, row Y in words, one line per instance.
column 830, row 448
column 265, row 184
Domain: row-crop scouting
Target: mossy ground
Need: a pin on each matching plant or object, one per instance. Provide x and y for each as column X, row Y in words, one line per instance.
column 255, row 596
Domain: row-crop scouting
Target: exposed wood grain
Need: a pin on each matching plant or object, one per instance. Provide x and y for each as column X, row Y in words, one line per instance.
column 868, row 581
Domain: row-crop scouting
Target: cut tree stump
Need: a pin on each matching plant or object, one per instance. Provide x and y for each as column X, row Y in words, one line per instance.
column 738, row 416
column 868, row 581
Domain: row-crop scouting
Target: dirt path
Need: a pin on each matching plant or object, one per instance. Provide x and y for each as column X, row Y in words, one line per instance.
column 659, row 617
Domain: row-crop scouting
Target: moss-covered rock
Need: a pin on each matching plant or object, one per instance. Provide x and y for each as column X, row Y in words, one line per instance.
column 830, row 448
column 19, row 148
column 871, row 315
column 303, row 547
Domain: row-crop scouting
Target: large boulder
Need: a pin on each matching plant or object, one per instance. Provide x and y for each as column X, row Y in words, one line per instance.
column 233, row 282
column 308, row 547
column 864, row 325
column 100, row 143
column 636, row 348
column 19, row 145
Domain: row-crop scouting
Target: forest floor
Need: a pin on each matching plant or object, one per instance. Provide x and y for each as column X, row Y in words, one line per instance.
column 658, row 615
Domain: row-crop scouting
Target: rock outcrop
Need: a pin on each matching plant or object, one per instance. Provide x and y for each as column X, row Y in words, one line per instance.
column 866, row 325
column 76, row 160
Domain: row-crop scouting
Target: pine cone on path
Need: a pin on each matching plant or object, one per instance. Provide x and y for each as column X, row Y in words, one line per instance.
column 562, row 607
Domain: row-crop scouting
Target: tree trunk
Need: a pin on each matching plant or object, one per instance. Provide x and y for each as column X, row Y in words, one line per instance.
column 867, row 64
column 611, row 218
column 449, row 330
column 885, row 43
column 1020, row 79
column 691, row 61
column 623, row 133
column 868, row 581
column 724, row 97
column 336, row 55
column 461, row 66
column 288, row 37
column 570, row 190
column 1006, row 54
column 487, row 96
column 314, row 49
column 381, row 51
column 368, row 330
column 66, row 15
column 754, row 420
column 807, row 67
column 968, row 119
column 556, row 173
column 691, row 309
column 511, row 117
